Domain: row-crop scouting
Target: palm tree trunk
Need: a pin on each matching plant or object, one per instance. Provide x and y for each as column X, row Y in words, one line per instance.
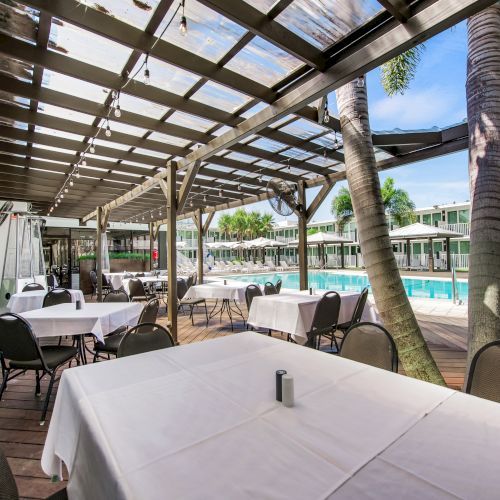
column 483, row 112
column 364, row 185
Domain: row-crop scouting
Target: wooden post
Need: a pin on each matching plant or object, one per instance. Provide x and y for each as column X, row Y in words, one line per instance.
column 431, row 256
column 448, row 255
column 302, row 237
column 151, row 244
column 408, row 253
column 171, row 247
column 342, row 258
column 98, row 254
column 199, row 226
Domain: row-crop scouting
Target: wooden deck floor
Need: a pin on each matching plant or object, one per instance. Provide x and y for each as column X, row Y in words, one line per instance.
column 22, row 438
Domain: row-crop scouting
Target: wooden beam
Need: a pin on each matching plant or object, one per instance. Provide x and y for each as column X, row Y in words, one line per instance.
column 398, row 8
column 302, row 247
column 151, row 244
column 98, row 253
column 319, row 199
column 199, row 251
column 170, row 194
column 207, row 223
column 187, row 183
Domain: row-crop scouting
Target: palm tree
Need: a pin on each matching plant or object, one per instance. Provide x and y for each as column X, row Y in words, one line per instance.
column 225, row 224
column 396, row 201
column 253, row 224
column 266, row 224
column 387, row 286
column 239, row 223
column 483, row 113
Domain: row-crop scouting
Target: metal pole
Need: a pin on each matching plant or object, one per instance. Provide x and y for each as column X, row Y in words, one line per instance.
column 151, row 245
column 408, row 253
column 342, row 258
column 199, row 224
column 171, row 247
column 431, row 256
column 98, row 254
column 448, row 255
column 302, row 237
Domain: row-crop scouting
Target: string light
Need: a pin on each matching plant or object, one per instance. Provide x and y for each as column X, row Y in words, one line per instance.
column 92, row 147
column 220, row 193
column 326, row 114
column 147, row 79
column 117, row 111
column 83, row 161
column 77, row 173
column 108, row 129
column 183, row 23
column 205, row 198
column 60, row 197
column 361, row 81
column 66, row 189
column 71, row 182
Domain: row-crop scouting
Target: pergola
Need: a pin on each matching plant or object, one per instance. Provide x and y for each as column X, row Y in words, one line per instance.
column 240, row 99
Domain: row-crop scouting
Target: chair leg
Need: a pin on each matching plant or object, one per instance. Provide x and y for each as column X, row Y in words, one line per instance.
column 47, row 397
column 37, row 389
column 191, row 313
column 4, row 382
column 206, row 311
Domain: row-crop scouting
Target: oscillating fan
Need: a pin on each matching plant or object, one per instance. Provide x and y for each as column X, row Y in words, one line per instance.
column 282, row 196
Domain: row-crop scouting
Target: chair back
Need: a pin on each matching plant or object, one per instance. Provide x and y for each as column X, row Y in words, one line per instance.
column 326, row 315
column 136, row 288
column 189, row 281
column 360, row 306
column 149, row 312
column 93, row 278
column 116, row 296
column 195, row 278
column 371, row 344
column 144, row 338
column 278, row 285
column 128, row 276
column 140, row 275
column 270, row 289
column 17, row 340
column 31, row 287
column 251, row 292
column 56, row 296
column 182, row 288
column 51, row 281
column 8, row 485
column 484, row 373
column 105, row 281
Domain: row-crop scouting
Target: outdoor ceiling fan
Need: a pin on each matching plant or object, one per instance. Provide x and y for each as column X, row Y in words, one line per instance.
column 283, row 196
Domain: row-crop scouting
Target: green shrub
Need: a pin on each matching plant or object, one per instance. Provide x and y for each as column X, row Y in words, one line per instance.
column 118, row 255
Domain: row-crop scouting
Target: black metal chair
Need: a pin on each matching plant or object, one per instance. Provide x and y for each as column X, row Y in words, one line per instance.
column 137, row 291
column 278, row 285
column 128, row 276
column 371, row 344
column 116, row 296
column 106, row 284
column 51, row 281
column 325, row 321
column 112, row 341
column 140, row 275
column 8, row 486
column 182, row 288
column 19, row 351
column 56, row 296
column 270, row 289
column 251, row 292
column 143, row 338
column 31, row 287
column 484, row 373
column 357, row 313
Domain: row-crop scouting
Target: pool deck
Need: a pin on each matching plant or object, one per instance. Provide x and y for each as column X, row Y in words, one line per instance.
column 21, row 437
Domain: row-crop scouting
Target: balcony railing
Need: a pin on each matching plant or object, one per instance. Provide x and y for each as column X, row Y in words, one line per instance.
column 461, row 227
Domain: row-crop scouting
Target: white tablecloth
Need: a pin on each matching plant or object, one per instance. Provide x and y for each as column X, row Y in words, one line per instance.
column 116, row 279
column 201, row 421
column 294, row 312
column 234, row 290
column 97, row 318
column 146, row 280
column 27, row 301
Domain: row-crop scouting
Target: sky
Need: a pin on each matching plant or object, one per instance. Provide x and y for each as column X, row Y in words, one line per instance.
column 436, row 98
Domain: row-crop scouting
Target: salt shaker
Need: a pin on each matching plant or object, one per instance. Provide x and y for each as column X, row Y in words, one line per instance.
column 287, row 390
column 310, row 291
column 279, row 391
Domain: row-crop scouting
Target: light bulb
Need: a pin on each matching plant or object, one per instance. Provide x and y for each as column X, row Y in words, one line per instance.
column 260, row 179
column 190, row 203
column 326, row 116
column 113, row 94
column 77, row 174
column 108, row 131
column 62, row 195
column 183, row 25
column 56, row 204
column 92, row 148
column 118, row 112
column 361, row 81
column 151, row 214
column 220, row 192
column 59, row 200
column 239, row 187
column 84, row 162
column 143, row 217
column 71, row 182
column 66, row 189
column 205, row 198
column 159, row 213
column 147, row 79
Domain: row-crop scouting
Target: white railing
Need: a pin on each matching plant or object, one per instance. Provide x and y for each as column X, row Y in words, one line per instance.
column 461, row 227
column 421, row 261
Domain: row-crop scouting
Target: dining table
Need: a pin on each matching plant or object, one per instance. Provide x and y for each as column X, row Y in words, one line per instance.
column 202, row 421
column 293, row 312
column 27, row 301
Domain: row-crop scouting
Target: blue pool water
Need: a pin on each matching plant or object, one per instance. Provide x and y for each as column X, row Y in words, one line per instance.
column 324, row 280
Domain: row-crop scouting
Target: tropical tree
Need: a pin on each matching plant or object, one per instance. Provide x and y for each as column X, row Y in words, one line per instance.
column 396, row 201
column 253, row 224
column 239, row 223
column 483, row 113
column 396, row 74
column 266, row 224
column 368, row 207
column 225, row 224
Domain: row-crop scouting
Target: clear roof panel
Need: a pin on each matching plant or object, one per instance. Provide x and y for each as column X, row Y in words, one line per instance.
column 109, row 144
column 254, row 110
column 74, row 86
column 58, row 133
column 323, row 22
column 190, row 121
column 87, row 47
column 269, row 145
column 322, row 161
column 303, row 129
column 241, row 157
column 137, row 14
column 210, row 35
column 298, row 154
column 148, row 152
column 330, row 141
column 221, row 130
column 263, row 62
column 165, row 76
column 263, row 5
column 126, row 129
column 169, row 139
column 52, row 148
column 141, row 106
column 220, row 97
column 67, row 114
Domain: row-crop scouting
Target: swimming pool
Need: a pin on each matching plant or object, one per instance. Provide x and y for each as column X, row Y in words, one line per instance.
column 434, row 288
